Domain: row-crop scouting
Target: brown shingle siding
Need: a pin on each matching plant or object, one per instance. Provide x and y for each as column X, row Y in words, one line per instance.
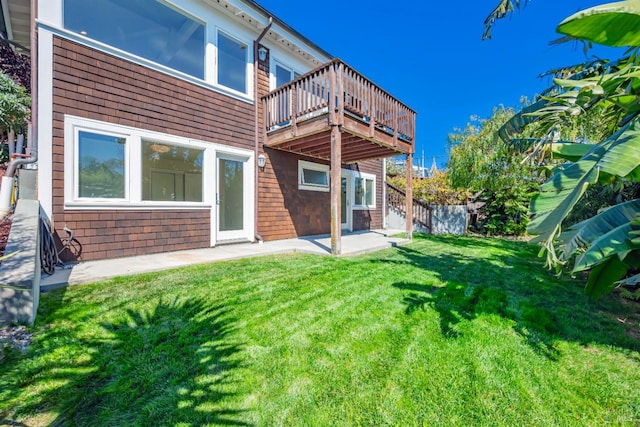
column 92, row 84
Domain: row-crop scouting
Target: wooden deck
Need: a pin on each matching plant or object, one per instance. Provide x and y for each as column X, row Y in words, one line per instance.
column 299, row 116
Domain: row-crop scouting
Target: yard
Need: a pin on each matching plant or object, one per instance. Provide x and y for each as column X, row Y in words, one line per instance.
column 446, row 330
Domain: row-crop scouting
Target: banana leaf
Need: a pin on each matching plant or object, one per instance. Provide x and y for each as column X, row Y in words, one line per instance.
column 517, row 123
column 615, row 242
column 586, row 233
column 618, row 155
column 570, row 150
column 629, row 281
column 611, row 24
column 604, row 276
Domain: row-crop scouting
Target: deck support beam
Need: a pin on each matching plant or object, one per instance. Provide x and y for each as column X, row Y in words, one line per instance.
column 336, row 190
column 409, row 196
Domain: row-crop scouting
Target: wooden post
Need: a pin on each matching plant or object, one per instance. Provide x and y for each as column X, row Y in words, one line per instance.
column 409, row 196
column 336, row 190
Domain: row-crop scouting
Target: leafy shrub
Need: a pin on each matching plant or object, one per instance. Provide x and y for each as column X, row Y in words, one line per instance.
column 15, row 105
column 434, row 190
column 505, row 212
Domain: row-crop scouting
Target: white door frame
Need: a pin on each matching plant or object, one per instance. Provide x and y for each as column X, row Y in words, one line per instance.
column 247, row 232
column 348, row 225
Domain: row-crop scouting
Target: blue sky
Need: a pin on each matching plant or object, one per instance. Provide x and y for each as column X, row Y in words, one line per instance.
column 431, row 56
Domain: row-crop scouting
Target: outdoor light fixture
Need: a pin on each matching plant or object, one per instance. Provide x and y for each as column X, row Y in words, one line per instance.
column 262, row 161
column 262, row 53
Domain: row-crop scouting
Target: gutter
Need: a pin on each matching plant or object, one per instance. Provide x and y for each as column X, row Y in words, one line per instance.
column 256, row 43
column 32, row 136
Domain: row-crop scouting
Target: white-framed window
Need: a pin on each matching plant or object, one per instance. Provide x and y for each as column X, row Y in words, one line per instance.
column 171, row 172
column 313, row 176
column 364, row 193
column 152, row 30
column 232, row 62
column 100, row 166
column 283, row 74
column 113, row 165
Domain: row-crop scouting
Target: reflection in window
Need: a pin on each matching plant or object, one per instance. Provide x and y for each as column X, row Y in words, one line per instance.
column 364, row 192
column 146, row 28
column 368, row 190
column 283, row 75
column 232, row 63
column 101, row 166
column 171, row 172
column 313, row 176
column 231, row 194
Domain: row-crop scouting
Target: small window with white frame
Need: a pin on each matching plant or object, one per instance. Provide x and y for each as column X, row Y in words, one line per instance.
column 283, row 74
column 313, row 176
column 364, row 191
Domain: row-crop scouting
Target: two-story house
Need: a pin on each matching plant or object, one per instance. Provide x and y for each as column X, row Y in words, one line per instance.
column 164, row 125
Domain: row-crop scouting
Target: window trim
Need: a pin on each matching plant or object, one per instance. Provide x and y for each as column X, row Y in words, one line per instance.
column 76, row 165
column 247, row 58
column 364, row 177
column 303, row 164
column 133, row 166
column 211, row 22
column 187, row 14
column 274, row 81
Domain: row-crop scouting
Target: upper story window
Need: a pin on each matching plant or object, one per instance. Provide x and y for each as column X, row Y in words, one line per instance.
column 147, row 28
column 284, row 75
column 232, row 63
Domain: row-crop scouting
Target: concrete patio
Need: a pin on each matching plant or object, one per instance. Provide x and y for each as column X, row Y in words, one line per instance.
column 85, row 272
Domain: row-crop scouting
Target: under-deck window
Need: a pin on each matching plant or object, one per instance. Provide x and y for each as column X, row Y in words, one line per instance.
column 150, row 29
column 313, row 176
column 365, row 191
column 232, row 63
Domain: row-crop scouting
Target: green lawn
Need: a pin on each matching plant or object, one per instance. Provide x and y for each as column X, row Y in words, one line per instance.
column 446, row 330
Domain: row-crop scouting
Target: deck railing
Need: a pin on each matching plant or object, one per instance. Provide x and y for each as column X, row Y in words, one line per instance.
column 338, row 90
column 396, row 199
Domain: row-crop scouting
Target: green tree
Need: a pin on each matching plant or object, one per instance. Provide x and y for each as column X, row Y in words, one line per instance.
column 434, row 189
column 15, row 105
column 502, row 178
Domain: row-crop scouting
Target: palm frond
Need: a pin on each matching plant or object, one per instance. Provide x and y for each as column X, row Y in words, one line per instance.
column 502, row 10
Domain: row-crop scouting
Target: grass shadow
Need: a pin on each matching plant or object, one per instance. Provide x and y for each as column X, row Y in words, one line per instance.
column 174, row 363
column 504, row 278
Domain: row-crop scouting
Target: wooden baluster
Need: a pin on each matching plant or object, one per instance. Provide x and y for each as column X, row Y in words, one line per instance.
column 294, row 109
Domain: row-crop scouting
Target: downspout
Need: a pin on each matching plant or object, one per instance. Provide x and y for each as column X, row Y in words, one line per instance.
column 256, row 43
column 7, row 180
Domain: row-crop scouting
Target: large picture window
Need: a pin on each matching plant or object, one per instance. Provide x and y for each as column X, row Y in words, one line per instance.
column 232, row 63
column 150, row 29
column 171, row 172
column 101, row 166
column 108, row 164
